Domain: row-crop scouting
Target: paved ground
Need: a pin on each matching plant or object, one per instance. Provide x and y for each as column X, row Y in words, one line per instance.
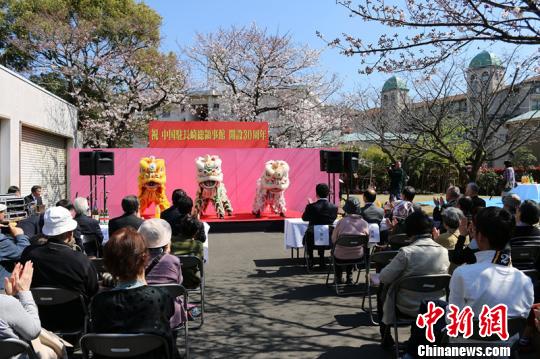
column 261, row 304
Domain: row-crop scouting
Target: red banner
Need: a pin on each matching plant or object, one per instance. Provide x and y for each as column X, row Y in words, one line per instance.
column 208, row 134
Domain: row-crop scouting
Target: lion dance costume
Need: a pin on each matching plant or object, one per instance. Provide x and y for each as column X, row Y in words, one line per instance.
column 211, row 187
column 152, row 185
column 271, row 188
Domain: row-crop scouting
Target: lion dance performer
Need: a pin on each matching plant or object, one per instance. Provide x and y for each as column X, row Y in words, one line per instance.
column 271, row 188
column 152, row 180
column 211, row 187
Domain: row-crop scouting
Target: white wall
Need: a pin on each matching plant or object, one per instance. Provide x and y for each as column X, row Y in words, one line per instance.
column 24, row 103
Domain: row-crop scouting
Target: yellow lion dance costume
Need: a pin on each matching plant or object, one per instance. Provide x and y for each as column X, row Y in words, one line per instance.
column 152, row 180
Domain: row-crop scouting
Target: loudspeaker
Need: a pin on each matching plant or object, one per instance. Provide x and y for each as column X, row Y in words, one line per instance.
column 96, row 163
column 322, row 160
column 87, row 164
column 351, row 161
column 104, row 163
column 334, row 162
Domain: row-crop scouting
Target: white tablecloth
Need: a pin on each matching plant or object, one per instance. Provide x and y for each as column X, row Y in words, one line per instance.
column 295, row 228
column 105, row 231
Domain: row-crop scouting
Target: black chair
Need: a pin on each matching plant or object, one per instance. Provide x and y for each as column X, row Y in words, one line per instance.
column 525, row 257
column 177, row 290
column 91, row 243
column 378, row 260
column 46, row 297
column 423, row 284
column 122, row 345
column 12, row 347
column 396, row 241
column 349, row 241
column 195, row 263
column 98, row 265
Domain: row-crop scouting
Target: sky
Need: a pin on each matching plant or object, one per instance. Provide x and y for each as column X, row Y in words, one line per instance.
column 182, row 19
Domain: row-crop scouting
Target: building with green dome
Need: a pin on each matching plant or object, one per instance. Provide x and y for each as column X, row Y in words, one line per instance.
column 394, row 94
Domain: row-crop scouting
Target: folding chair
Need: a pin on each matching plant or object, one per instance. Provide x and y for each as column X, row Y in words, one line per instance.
column 379, row 260
column 177, row 290
column 48, row 296
column 122, row 345
column 525, row 257
column 194, row 262
column 98, row 265
column 422, row 284
column 89, row 241
column 12, row 347
column 349, row 241
column 397, row 241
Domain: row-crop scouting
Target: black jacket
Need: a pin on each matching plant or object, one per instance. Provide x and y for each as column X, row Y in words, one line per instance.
column 437, row 211
column 320, row 212
column 478, row 202
column 57, row 265
column 525, row 231
column 372, row 214
column 174, row 217
column 29, row 199
column 125, row 220
column 89, row 226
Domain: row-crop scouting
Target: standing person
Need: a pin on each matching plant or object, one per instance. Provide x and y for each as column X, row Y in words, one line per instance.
column 318, row 213
column 509, row 178
column 89, row 228
column 398, row 178
column 14, row 190
column 130, row 206
column 34, row 198
column 12, row 243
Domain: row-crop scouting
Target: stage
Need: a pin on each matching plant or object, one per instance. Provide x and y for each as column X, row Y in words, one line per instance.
column 247, row 222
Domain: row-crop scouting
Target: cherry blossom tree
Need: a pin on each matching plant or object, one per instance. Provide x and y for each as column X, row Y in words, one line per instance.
column 104, row 58
column 430, row 31
column 266, row 77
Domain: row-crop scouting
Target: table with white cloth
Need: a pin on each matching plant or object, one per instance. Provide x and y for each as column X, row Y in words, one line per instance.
column 527, row 191
column 295, row 228
column 105, row 231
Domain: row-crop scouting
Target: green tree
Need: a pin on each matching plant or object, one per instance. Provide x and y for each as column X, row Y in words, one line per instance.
column 102, row 56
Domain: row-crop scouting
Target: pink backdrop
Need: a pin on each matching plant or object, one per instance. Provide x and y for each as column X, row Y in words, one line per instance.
column 241, row 169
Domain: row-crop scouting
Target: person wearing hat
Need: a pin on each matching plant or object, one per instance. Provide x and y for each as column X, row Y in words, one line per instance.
column 351, row 223
column 57, row 264
column 162, row 267
column 12, row 243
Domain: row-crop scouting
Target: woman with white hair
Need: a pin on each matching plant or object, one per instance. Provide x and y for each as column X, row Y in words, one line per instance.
column 91, row 235
column 451, row 218
column 162, row 267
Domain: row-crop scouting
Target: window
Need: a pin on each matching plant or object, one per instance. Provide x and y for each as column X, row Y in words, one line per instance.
column 216, row 106
column 485, row 76
column 535, row 103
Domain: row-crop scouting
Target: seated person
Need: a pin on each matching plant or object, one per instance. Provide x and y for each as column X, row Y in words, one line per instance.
column 91, row 234
column 77, row 232
column 452, row 196
column 12, row 243
column 451, row 218
column 401, row 210
column 472, row 191
column 511, row 203
column 370, row 212
column 183, row 208
column 527, row 217
column 19, row 318
column 130, row 206
column 492, row 280
column 465, row 204
column 162, row 267
column 422, row 257
column 320, row 212
column 351, row 223
column 185, row 244
column 57, row 264
column 132, row 306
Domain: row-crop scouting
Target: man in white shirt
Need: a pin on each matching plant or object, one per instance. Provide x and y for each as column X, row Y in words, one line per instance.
column 491, row 280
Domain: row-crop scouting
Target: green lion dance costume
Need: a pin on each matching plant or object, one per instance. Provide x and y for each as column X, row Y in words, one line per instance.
column 271, row 188
column 211, row 187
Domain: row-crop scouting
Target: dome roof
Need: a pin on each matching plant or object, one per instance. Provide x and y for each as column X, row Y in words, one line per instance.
column 485, row 59
column 394, row 83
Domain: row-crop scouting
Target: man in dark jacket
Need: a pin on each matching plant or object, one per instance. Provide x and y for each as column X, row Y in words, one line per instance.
column 370, row 212
column 182, row 206
column 398, row 178
column 452, row 196
column 527, row 217
column 130, row 206
column 58, row 265
column 318, row 213
column 34, row 198
column 472, row 191
column 91, row 235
